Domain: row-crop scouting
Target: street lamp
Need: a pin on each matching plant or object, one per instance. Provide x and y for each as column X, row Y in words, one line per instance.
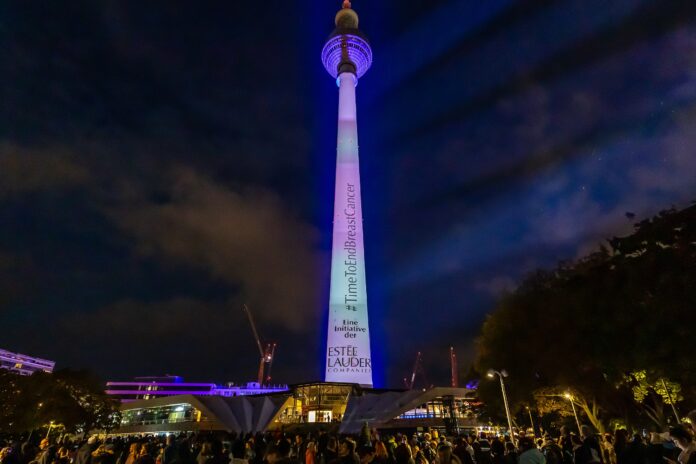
column 569, row 397
column 671, row 401
column 50, row 426
column 531, row 421
column 491, row 374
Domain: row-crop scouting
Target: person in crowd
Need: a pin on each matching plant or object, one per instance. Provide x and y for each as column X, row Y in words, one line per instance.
column 427, row 450
column 84, row 454
column 511, row 456
column 381, row 454
column 346, row 452
column 367, row 454
column 418, row 455
column 529, row 453
column 497, row 452
column 445, row 454
column 402, row 454
column 691, row 422
column 4, row 454
column 184, row 455
column 170, row 452
column 482, row 453
column 63, row 454
column 9, row 454
column 463, row 451
column 27, row 453
column 590, row 451
column 279, row 453
column 298, row 448
column 310, row 454
column 636, row 452
column 238, row 450
column 48, row 452
column 104, row 454
column 144, row 455
column 565, row 441
column 685, row 442
column 621, row 445
column 551, row 451
column 158, row 450
column 250, row 450
column 331, row 452
column 608, row 453
column 133, row 451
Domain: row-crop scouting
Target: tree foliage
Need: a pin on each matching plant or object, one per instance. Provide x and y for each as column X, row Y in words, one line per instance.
column 73, row 400
column 628, row 307
column 653, row 394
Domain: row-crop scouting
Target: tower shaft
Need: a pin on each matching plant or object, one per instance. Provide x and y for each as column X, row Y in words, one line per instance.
column 348, row 357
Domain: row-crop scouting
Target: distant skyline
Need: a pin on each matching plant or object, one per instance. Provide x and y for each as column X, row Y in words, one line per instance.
column 160, row 166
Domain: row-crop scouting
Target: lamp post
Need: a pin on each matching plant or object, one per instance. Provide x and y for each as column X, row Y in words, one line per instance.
column 671, row 401
column 491, row 374
column 531, row 421
column 50, row 426
column 575, row 413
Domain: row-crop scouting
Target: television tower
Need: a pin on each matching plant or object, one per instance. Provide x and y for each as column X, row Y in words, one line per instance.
column 347, row 56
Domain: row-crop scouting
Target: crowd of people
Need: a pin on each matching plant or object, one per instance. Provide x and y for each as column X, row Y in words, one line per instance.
column 676, row 446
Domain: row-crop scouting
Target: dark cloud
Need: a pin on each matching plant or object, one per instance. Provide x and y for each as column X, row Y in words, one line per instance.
column 178, row 336
column 247, row 238
column 17, row 279
column 25, row 170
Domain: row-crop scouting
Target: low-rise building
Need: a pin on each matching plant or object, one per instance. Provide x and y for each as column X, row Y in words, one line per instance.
column 24, row 364
column 147, row 388
column 341, row 407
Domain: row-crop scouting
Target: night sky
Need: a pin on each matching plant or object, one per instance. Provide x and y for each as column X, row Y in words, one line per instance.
column 162, row 163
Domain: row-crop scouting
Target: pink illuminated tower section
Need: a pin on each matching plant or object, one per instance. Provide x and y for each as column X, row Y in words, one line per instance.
column 347, row 56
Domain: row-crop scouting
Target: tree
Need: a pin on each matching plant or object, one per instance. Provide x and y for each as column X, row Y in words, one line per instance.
column 72, row 400
column 587, row 324
column 653, row 394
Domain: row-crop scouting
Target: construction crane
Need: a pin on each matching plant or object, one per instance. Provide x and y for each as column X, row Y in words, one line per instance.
column 267, row 353
column 454, row 377
column 417, row 369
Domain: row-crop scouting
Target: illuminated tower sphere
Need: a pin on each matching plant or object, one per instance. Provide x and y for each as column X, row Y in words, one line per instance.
column 347, row 56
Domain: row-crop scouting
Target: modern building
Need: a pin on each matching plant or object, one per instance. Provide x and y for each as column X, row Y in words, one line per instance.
column 346, row 57
column 24, row 364
column 148, row 388
column 336, row 406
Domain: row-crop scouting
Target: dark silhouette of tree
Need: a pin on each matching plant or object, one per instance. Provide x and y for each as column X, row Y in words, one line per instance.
column 73, row 400
column 584, row 326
